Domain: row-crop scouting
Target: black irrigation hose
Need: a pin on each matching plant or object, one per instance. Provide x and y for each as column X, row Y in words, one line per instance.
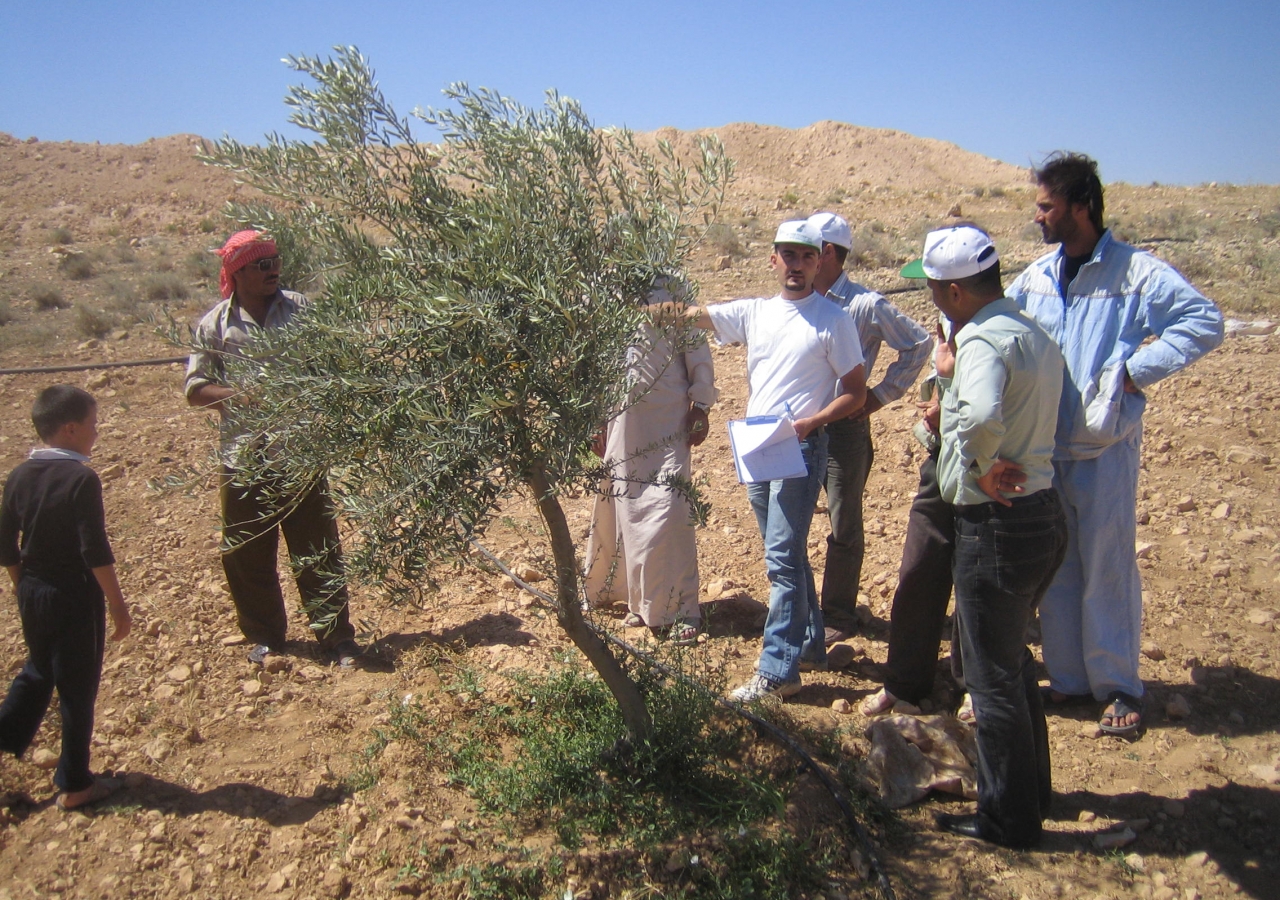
column 84, row 367
column 859, row 832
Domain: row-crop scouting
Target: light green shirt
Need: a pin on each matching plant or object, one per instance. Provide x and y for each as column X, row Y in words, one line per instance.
column 1001, row 403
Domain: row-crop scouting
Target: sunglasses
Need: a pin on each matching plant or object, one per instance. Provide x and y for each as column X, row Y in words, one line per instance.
column 270, row 264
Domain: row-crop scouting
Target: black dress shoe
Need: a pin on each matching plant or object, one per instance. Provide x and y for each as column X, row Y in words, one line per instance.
column 967, row 825
column 972, row 825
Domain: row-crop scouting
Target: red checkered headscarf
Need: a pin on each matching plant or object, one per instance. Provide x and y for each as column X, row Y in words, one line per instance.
column 242, row 248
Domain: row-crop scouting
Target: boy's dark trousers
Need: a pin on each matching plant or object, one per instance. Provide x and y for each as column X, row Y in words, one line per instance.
column 65, row 631
column 1004, row 559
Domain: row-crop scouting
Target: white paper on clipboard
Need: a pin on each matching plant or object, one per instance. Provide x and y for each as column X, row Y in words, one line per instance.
column 766, row 448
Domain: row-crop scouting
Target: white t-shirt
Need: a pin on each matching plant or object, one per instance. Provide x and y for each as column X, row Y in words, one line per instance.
column 794, row 347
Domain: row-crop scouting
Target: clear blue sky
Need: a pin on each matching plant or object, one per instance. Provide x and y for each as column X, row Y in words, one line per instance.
column 1176, row 91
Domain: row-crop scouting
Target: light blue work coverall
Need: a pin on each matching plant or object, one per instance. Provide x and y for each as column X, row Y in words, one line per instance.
column 1091, row 617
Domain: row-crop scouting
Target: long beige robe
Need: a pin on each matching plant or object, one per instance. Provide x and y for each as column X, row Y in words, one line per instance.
column 642, row 546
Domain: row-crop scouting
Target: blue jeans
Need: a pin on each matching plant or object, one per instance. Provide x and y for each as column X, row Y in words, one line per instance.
column 784, row 511
column 1004, row 559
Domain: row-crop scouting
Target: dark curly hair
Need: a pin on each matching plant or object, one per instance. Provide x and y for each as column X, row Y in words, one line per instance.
column 1074, row 178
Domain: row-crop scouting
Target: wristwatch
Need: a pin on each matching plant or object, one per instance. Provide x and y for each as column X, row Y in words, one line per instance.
column 699, row 405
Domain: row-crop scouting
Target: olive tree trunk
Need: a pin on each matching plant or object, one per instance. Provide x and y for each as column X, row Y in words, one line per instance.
column 569, row 612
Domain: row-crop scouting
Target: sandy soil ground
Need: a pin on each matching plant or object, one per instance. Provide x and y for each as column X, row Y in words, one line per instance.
column 234, row 776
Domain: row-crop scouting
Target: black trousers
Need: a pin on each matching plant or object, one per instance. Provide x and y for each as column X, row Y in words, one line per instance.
column 924, row 589
column 252, row 520
column 1004, row 559
column 65, row 633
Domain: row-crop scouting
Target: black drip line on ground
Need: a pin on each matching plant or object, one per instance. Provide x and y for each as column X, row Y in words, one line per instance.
column 861, row 837
column 84, row 367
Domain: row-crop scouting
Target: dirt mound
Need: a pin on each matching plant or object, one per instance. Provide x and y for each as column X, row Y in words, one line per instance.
column 828, row 155
column 101, row 190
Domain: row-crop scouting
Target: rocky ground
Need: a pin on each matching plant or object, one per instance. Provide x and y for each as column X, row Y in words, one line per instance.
column 239, row 781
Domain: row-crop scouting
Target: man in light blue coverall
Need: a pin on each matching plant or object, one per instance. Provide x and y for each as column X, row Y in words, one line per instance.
column 1100, row 299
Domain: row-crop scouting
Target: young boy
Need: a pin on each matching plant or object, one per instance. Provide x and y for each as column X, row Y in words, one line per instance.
column 53, row 542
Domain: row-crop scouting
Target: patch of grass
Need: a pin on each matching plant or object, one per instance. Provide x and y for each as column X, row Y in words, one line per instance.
column 874, row 247
column 494, row 881
column 1196, row 263
column 119, row 295
column 202, row 265
column 7, row 314
column 1117, row 858
column 1270, row 222
column 836, row 197
column 61, row 235
column 93, row 322
column 723, row 240
column 76, row 266
column 790, row 198
column 207, row 226
column 1031, row 232
column 549, row 751
column 46, row 296
column 758, row 865
column 1264, row 260
column 559, row 745
column 164, row 286
column 123, row 252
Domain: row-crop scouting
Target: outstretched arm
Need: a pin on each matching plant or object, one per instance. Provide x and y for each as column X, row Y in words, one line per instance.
column 672, row 313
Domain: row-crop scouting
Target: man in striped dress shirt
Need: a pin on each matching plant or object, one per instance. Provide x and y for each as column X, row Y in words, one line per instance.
column 850, row 451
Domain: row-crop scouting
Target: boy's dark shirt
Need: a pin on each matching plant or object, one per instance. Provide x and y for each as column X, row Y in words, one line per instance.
column 56, row 506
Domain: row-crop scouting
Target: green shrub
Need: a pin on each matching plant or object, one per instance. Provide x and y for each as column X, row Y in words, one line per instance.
column 723, row 240
column 61, row 235
column 76, row 266
column 203, row 265
column 46, row 296
column 92, row 321
column 873, row 247
column 551, row 751
column 164, row 286
column 7, row 314
column 120, row 295
column 573, row 759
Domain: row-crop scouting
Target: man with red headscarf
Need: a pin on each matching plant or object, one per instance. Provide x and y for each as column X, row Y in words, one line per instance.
column 253, row 512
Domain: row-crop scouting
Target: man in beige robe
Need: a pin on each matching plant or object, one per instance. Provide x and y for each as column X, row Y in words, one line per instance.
column 642, row 546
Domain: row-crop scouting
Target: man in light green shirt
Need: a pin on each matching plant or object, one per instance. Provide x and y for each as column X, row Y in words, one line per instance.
column 1002, row 376
column 999, row 405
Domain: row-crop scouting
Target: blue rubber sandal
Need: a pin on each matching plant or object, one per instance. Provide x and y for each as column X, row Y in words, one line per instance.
column 1121, row 705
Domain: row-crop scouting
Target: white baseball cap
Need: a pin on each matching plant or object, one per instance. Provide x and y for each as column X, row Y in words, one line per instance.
column 953, row 253
column 834, row 230
column 799, row 231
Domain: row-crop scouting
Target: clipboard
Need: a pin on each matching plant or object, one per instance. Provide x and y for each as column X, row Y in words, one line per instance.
column 766, row 448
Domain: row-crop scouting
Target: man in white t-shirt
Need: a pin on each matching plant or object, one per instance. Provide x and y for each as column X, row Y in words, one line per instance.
column 799, row 345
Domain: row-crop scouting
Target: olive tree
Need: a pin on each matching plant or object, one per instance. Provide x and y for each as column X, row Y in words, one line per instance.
column 479, row 294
